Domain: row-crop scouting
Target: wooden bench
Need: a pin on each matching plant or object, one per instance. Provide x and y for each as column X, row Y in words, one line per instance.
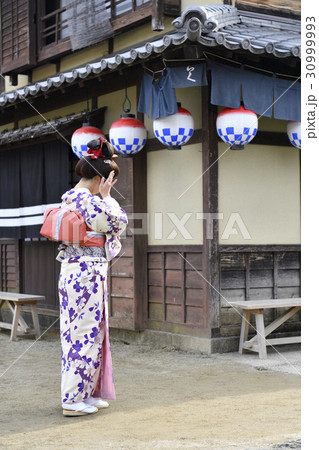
column 259, row 342
column 15, row 302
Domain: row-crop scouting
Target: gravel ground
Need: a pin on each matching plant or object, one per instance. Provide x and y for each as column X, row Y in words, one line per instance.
column 166, row 399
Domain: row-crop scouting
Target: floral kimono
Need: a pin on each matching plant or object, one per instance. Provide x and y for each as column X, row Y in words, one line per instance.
column 85, row 349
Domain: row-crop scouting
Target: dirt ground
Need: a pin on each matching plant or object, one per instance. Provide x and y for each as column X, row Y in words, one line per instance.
column 166, row 399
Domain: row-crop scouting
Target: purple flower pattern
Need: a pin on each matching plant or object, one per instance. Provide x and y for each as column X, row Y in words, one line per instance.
column 83, row 330
column 85, row 352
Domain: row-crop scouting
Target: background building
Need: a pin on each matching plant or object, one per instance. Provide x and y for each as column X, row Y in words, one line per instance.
column 172, row 284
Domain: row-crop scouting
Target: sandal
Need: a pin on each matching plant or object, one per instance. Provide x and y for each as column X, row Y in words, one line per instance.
column 97, row 402
column 78, row 409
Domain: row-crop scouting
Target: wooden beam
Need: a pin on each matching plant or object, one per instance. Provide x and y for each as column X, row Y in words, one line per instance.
column 247, row 276
column 259, row 248
column 53, row 50
column 2, row 83
column 157, row 15
column 172, row 8
column 163, row 259
column 132, row 18
column 271, row 138
column 275, row 284
column 183, row 287
column 210, row 206
column 140, row 240
column 13, row 79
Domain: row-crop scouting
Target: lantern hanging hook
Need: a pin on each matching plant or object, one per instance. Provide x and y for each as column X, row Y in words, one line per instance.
column 126, row 99
column 87, row 114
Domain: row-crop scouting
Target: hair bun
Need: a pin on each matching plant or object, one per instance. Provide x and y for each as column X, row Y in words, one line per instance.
column 95, row 144
column 107, row 148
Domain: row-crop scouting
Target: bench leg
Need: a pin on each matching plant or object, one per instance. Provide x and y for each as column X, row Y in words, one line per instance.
column 21, row 322
column 244, row 330
column 15, row 323
column 35, row 320
column 260, row 327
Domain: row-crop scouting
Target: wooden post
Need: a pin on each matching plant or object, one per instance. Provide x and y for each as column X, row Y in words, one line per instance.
column 210, row 206
column 275, row 282
column 157, row 15
column 140, row 240
column 163, row 259
column 247, row 275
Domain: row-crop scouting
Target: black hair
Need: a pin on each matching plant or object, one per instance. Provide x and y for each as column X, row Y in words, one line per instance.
column 88, row 167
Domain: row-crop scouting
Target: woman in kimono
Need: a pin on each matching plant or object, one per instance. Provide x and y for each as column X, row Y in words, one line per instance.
column 87, row 379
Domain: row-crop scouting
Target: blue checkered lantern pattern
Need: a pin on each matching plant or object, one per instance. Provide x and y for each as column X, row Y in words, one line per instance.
column 294, row 133
column 236, row 127
column 128, row 135
column 82, row 136
column 175, row 130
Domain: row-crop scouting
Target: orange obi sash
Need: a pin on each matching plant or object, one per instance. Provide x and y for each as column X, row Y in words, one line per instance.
column 61, row 224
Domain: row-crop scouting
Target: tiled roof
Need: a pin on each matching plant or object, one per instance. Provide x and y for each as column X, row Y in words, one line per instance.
column 39, row 129
column 226, row 26
column 210, row 26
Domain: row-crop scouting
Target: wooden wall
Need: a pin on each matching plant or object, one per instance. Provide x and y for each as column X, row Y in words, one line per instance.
column 121, row 287
column 17, row 35
column 257, row 273
column 40, row 271
column 9, row 265
column 127, row 281
column 176, row 294
column 121, row 279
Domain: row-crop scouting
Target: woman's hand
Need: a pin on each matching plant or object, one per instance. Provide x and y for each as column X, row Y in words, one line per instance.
column 107, row 184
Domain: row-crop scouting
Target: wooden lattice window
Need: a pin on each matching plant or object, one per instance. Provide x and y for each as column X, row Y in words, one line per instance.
column 117, row 8
column 17, row 35
column 53, row 31
column 65, row 25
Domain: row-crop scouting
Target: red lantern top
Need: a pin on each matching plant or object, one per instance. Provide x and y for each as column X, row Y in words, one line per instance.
column 232, row 111
column 127, row 120
column 183, row 111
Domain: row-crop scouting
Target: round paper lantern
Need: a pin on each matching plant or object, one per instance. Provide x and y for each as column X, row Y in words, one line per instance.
column 128, row 135
column 82, row 136
column 175, row 130
column 294, row 133
column 236, row 127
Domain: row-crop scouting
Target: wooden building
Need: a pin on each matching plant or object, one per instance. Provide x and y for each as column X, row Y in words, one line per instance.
column 221, row 224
